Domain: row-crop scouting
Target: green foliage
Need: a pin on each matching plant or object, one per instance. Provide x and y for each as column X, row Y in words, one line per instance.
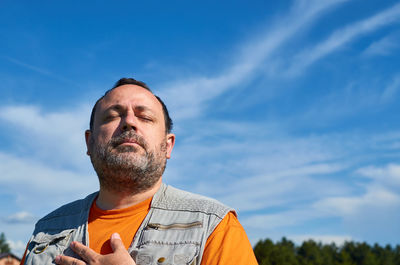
column 4, row 247
column 310, row 253
column 285, row 252
column 263, row 251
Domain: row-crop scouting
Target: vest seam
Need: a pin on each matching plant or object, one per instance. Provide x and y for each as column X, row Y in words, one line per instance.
column 192, row 211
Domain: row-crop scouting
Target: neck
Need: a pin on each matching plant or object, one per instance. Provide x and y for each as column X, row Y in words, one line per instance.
column 112, row 200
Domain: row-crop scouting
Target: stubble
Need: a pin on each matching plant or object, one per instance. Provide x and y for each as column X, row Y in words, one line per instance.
column 128, row 169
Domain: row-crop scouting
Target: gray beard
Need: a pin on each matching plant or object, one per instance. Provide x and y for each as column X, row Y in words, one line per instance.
column 123, row 169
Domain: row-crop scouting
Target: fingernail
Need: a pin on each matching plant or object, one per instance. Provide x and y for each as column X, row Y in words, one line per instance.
column 57, row 259
column 115, row 236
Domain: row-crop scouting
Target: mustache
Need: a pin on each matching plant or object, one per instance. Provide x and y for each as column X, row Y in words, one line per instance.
column 128, row 136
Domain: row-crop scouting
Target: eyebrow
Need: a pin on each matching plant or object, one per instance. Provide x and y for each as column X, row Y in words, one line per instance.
column 119, row 107
column 142, row 108
column 114, row 107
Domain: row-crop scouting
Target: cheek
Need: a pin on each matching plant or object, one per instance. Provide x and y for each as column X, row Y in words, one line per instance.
column 160, row 144
column 105, row 133
column 156, row 140
column 99, row 139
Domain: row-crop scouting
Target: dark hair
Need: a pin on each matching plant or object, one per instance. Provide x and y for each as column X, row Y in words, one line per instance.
column 131, row 81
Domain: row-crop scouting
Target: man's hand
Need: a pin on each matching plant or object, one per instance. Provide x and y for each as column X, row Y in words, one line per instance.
column 120, row 255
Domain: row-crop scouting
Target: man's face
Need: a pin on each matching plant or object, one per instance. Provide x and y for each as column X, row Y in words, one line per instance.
column 128, row 145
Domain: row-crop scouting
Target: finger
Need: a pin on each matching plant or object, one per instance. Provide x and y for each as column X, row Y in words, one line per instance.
column 116, row 242
column 83, row 251
column 65, row 260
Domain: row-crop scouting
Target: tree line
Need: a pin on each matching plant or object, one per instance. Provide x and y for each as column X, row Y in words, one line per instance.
column 285, row 252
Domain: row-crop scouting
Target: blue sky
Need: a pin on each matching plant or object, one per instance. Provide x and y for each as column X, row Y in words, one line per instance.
column 286, row 110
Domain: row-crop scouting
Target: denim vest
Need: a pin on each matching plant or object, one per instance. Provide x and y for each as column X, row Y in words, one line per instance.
column 174, row 231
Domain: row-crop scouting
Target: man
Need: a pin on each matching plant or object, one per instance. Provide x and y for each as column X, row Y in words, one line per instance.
column 135, row 218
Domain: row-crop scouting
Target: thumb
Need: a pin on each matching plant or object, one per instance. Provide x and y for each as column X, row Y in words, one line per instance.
column 116, row 242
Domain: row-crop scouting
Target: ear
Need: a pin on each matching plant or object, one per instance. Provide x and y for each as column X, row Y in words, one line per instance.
column 88, row 134
column 170, row 144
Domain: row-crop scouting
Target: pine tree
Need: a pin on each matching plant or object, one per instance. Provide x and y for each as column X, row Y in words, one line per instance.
column 4, row 247
column 263, row 251
column 310, row 253
column 284, row 253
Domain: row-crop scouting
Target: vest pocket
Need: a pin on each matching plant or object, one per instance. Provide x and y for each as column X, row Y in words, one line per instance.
column 169, row 244
column 162, row 254
column 44, row 247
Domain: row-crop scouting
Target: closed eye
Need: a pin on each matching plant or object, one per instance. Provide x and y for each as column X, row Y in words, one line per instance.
column 145, row 118
column 111, row 116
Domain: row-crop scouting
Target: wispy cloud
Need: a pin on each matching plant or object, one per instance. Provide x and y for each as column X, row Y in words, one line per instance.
column 274, row 189
column 355, row 214
column 188, row 97
column 343, row 36
column 40, row 70
column 376, row 206
column 369, row 93
column 389, row 175
column 268, row 222
column 391, row 90
column 28, row 66
column 376, row 197
column 41, row 181
column 47, row 154
column 57, row 137
column 279, row 170
column 384, row 46
column 339, row 240
column 20, row 217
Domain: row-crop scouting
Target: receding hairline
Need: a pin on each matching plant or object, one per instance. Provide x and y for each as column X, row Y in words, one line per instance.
column 112, row 91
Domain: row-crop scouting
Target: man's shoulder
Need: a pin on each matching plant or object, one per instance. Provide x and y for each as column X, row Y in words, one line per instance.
column 67, row 213
column 176, row 199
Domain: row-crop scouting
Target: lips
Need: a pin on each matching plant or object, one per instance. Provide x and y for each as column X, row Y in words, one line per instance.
column 128, row 138
column 129, row 141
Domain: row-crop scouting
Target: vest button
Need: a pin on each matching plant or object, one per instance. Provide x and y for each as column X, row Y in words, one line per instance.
column 161, row 260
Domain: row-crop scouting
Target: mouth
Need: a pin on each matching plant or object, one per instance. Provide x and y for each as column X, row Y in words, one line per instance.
column 128, row 142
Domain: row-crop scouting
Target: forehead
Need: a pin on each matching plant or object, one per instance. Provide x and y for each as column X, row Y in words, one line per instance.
column 131, row 96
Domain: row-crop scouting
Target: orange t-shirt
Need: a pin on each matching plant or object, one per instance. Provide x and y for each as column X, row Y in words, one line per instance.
column 228, row 243
column 103, row 223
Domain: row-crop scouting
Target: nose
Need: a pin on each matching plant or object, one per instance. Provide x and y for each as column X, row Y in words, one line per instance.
column 129, row 122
